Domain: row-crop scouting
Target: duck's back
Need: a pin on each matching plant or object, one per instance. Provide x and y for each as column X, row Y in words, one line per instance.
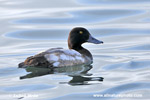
column 55, row 57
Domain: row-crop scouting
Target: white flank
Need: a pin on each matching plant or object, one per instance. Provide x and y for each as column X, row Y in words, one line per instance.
column 64, row 57
column 71, row 58
column 79, row 58
column 51, row 57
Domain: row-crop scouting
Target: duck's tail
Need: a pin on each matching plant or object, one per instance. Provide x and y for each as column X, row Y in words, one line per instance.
column 28, row 62
column 21, row 65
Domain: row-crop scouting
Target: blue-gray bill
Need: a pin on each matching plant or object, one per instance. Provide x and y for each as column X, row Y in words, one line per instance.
column 93, row 40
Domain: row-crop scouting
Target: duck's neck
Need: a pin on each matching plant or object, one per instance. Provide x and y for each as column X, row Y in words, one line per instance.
column 82, row 51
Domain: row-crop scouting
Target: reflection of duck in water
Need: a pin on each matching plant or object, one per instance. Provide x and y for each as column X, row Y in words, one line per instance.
column 79, row 74
column 71, row 71
column 82, row 80
column 58, row 57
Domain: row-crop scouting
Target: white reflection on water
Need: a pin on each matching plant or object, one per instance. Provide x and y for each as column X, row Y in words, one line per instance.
column 31, row 26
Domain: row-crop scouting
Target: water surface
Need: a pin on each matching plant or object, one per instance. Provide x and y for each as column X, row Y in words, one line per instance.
column 121, row 65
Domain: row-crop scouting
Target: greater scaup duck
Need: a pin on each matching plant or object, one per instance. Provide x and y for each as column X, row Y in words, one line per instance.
column 59, row 57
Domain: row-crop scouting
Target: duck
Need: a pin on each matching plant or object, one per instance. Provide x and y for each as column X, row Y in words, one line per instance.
column 59, row 57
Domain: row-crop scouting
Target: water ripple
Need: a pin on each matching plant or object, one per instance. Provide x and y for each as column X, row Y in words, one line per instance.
column 81, row 17
column 31, row 26
column 36, row 34
column 110, row 2
column 25, row 88
column 144, row 47
column 114, row 90
column 130, row 65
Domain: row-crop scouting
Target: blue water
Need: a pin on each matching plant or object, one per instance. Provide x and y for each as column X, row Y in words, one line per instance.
column 121, row 65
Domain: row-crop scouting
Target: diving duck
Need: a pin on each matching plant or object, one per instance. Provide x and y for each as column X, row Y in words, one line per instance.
column 59, row 57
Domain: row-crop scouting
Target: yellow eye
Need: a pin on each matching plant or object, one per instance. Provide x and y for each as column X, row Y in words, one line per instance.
column 81, row 32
